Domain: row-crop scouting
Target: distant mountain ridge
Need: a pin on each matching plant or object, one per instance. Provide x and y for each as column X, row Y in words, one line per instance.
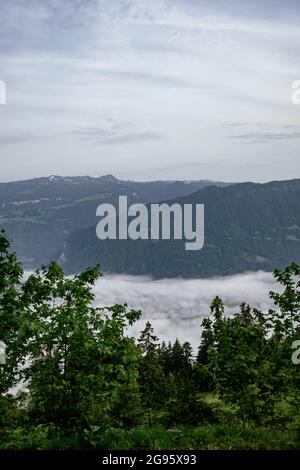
column 39, row 214
column 248, row 227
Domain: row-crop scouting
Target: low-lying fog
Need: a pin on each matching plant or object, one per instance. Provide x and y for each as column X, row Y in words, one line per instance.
column 176, row 307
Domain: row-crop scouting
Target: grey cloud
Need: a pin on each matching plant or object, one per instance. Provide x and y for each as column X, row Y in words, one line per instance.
column 23, row 137
column 236, row 124
column 106, row 129
column 114, row 134
column 264, row 137
column 258, row 124
column 291, row 126
column 41, row 25
column 16, row 138
column 155, row 80
column 137, row 137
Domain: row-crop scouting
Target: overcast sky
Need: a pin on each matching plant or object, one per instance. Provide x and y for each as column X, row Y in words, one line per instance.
column 150, row 89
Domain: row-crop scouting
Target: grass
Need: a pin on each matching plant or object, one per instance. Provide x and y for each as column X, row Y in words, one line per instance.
column 198, row 438
column 210, row 437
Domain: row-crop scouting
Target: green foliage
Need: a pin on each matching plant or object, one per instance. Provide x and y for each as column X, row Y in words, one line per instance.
column 152, row 380
column 81, row 368
column 209, row 437
column 287, row 319
column 10, row 277
column 90, row 385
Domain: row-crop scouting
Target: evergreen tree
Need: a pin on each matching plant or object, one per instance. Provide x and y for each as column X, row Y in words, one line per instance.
column 151, row 372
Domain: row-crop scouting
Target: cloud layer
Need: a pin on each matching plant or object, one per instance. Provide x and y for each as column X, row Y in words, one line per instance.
column 176, row 307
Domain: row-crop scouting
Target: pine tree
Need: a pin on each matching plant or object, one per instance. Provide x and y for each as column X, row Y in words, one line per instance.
column 151, row 372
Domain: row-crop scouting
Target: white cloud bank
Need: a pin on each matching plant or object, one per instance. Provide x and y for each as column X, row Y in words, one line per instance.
column 176, row 307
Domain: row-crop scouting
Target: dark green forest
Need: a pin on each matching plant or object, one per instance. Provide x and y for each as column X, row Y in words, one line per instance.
column 88, row 385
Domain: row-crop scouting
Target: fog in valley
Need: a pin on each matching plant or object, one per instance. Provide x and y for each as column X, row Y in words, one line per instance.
column 176, row 307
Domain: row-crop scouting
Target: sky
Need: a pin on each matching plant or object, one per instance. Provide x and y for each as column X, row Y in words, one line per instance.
column 150, row 89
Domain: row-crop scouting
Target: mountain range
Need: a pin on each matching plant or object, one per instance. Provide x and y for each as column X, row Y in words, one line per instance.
column 40, row 214
column 248, row 227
